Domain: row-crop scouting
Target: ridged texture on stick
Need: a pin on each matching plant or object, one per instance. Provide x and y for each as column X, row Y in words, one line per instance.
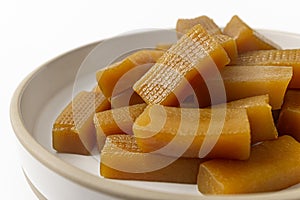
column 74, row 131
column 288, row 57
column 195, row 53
column 121, row 158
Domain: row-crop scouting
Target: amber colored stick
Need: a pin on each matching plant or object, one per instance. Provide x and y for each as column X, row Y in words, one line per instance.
column 273, row 165
column 245, row 81
column 120, row 76
column 195, row 53
column 260, row 117
column 192, row 132
column 184, row 25
column 121, row 158
column 247, row 39
column 73, row 130
column 287, row 57
column 228, row 43
column 118, row 120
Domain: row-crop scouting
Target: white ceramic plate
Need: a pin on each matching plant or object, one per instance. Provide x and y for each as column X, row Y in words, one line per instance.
column 42, row 95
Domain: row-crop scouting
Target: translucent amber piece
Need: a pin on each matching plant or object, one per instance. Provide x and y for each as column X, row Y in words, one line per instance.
column 273, row 165
column 121, row 158
column 196, row 52
column 184, row 25
column 108, row 77
column 247, row 81
column 288, row 57
column 74, row 131
column 289, row 118
column 117, row 121
column 190, row 132
column 229, row 44
column 246, row 38
column 260, row 117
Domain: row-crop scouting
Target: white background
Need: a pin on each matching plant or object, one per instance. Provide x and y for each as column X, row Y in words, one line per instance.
column 32, row 32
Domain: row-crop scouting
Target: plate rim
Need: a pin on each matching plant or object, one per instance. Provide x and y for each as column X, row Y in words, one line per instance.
column 94, row 182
